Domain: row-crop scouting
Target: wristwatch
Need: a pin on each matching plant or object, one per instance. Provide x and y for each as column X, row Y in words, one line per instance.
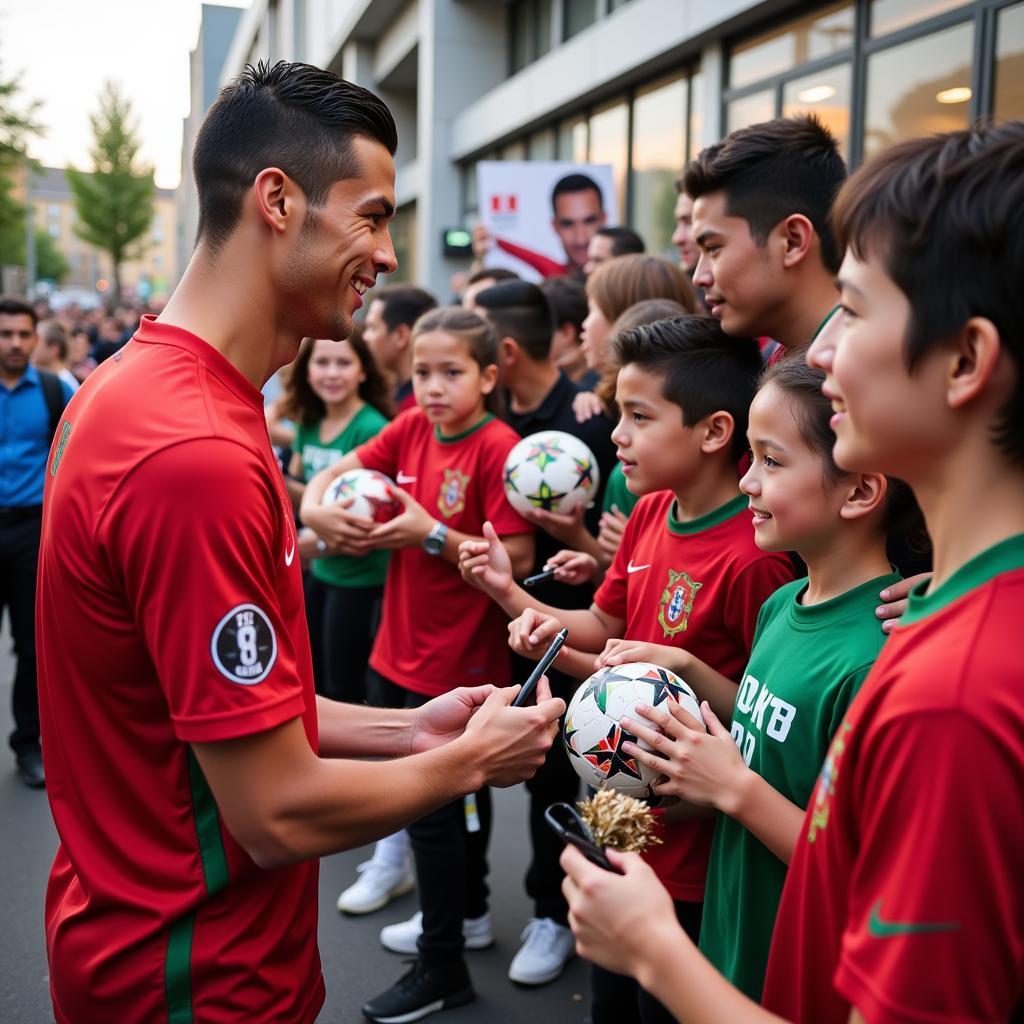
column 433, row 543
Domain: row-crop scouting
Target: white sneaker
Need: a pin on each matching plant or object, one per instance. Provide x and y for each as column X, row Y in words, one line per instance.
column 376, row 886
column 547, row 947
column 401, row 937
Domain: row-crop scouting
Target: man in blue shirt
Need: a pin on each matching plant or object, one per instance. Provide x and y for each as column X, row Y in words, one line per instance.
column 26, row 429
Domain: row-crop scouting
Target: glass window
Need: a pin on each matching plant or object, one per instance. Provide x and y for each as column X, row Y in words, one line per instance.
column 530, row 33
column 752, row 109
column 609, row 128
column 808, row 38
column 543, row 27
column 513, row 151
column 1009, row 93
column 470, row 200
column 890, row 15
column 614, row 5
column 918, row 88
column 659, row 143
column 578, row 15
column 826, row 94
column 695, row 135
column 541, row 145
column 571, row 142
column 403, row 237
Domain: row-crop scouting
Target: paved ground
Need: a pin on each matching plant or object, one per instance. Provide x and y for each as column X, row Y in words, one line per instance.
column 355, row 965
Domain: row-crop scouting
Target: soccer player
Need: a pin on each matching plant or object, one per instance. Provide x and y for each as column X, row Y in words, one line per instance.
column 195, row 779
column 901, row 902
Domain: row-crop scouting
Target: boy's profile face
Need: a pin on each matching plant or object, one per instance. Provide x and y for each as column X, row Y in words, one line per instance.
column 656, row 450
column 742, row 283
column 886, row 420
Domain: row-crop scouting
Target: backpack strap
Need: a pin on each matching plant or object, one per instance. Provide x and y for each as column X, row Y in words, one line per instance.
column 54, row 395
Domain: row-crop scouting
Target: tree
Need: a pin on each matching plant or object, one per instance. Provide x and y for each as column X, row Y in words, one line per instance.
column 50, row 262
column 115, row 202
column 16, row 126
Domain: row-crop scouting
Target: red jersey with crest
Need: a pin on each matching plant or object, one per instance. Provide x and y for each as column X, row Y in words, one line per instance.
column 170, row 612
column 905, row 897
column 436, row 631
column 697, row 585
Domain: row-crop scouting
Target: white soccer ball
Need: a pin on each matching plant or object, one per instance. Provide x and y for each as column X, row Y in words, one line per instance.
column 371, row 493
column 593, row 736
column 552, row 471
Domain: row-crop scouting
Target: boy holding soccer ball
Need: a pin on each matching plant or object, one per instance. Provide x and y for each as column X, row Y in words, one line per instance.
column 902, row 901
column 687, row 572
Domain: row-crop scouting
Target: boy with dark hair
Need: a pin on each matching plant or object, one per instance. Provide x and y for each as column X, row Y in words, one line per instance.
column 761, row 199
column 687, row 572
column 902, row 900
column 387, row 331
column 482, row 279
column 176, row 691
column 608, row 243
column 568, row 301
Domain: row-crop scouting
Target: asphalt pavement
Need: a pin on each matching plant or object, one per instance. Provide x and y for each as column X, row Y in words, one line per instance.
column 355, row 965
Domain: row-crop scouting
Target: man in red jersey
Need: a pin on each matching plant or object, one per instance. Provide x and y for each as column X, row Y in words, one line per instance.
column 194, row 777
column 903, row 899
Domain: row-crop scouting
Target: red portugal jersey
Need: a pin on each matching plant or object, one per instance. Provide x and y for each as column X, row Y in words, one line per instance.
column 905, row 897
column 170, row 612
column 436, row 631
column 697, row 585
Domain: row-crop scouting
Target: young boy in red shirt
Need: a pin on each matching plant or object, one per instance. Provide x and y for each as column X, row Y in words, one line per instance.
column 687, row 572
column 903, row 899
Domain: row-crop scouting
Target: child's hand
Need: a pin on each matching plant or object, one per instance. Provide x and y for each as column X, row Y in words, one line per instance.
column 485, row 563
column 612, row 526
column 895, row 597
column 619, row 652
column 567, row 528
column 701, row 767
column 532, row 633
column 573, row 567
column 347, row 533
column 408, row 529
column 586, row 405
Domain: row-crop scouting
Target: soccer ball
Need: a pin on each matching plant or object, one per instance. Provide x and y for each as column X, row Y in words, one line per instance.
column 371, row 492
column 552, row 471
column 593, row 736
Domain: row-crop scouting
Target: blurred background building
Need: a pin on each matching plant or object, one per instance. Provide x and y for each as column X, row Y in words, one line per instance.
column 639, row 84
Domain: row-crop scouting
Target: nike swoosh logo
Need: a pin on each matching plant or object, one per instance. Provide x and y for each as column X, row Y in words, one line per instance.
column 881, row 929
column 403, row 479
column 289, row 556
column 637, row 568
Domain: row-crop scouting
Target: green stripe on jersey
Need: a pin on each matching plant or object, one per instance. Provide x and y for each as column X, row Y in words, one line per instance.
column 177, row 971
column 211, row 844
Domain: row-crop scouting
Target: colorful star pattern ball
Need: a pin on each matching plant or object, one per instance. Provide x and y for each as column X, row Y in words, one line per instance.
column 371, row 491
column 552, row 471
column 593, row 734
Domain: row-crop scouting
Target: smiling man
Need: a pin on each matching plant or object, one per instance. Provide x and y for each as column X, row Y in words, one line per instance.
column 194, row 776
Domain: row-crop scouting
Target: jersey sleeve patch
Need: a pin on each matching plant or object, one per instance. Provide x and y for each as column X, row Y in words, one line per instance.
column 244, row 645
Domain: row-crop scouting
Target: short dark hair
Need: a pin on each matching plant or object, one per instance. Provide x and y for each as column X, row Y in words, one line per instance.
column 624, row 240
column 11, row 306
column 568, row 300
column 945, row 215
column 520, row 310
column 496, row 273
column 54, row 335
column 576, row 183
column 772, row 170
column 402, row 304
column 293, row 116
column 704, row 370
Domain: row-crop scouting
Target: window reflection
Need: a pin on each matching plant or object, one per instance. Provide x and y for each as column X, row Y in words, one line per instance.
column 571, row 142
column 609, row 144
column 578, row 15
column 1009, row 97
column 659, row 140
column 825, row 94
column 752, row 109
column 918, row 88
column 889, row 15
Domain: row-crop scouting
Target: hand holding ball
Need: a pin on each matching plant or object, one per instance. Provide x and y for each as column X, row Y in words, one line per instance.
column 551, row 471
column 371, row 493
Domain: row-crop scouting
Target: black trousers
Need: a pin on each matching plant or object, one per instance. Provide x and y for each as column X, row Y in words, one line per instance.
column 19, row 560
column 618, row 999
column 342, row 624
column 450, row 854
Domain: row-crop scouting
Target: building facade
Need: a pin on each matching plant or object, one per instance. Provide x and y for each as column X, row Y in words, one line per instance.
column 639, row 84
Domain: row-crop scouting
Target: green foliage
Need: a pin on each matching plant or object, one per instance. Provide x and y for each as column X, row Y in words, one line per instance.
column 115, row 203
column 50, row 262
column 16, row 126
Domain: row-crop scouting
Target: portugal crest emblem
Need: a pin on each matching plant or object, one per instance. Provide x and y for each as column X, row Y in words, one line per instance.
column 677, row 602
column 452, row 498
column 826, row 787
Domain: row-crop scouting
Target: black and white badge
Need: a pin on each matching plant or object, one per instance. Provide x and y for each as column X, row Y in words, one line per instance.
column 244, row 647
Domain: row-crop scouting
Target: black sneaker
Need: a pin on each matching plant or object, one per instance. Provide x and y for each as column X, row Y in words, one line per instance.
column 30, row 769
column 420, row 992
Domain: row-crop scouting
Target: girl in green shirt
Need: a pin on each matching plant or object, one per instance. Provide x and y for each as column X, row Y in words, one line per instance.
column 338, row 399
column 816, row 639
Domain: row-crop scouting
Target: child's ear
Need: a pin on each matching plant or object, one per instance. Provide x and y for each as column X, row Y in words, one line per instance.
column 508, row 350
column 864, row 495
column 718, row 429
column 488, row 379
column 797, row 236
column 974, row 364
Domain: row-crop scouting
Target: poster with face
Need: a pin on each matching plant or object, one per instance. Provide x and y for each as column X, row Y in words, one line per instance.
column 541, row 215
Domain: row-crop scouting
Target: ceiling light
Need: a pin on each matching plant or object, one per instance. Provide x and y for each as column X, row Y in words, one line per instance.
column 958, row 94
column 816, row 93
